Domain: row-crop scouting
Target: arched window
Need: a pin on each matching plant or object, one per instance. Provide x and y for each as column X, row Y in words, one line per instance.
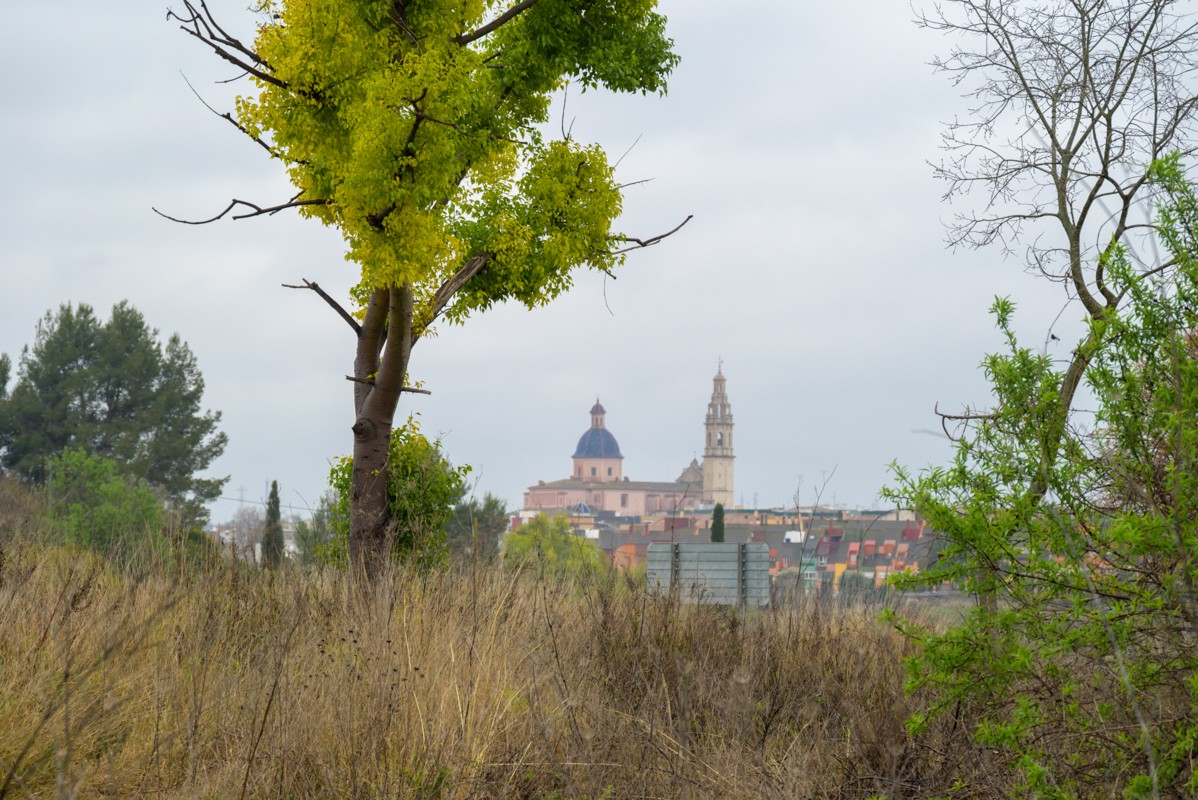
column 719, row 440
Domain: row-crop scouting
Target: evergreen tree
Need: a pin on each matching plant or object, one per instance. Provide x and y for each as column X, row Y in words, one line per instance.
column 112, row 390
column 272, row 531
column 717, row 523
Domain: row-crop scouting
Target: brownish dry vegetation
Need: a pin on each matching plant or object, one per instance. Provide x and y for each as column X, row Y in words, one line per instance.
column 230, row 683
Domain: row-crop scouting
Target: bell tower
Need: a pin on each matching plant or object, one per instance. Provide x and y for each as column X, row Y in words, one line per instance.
column 717, row 452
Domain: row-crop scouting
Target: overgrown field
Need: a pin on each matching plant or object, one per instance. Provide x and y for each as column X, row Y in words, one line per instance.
column 231, row 683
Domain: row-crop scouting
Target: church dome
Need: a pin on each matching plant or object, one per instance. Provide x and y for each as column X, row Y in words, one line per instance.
column 597, row 443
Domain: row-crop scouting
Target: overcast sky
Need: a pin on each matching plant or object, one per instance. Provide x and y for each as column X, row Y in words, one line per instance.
column 797, row 134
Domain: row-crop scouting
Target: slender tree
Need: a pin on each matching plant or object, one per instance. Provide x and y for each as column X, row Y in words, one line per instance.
column 418, row 130
column 272, row 531
column 311, row 534
column 717, row 523
column 1073, row 103
column 1077, row 105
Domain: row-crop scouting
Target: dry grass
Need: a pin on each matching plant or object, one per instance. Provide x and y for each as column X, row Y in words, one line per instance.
column 228, row 683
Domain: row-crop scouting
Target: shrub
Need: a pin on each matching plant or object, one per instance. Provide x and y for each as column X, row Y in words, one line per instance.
column 422, row 490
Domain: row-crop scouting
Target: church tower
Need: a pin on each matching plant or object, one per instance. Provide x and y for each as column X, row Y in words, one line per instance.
column 717, row 454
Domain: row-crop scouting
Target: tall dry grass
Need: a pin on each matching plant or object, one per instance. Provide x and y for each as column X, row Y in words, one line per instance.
column 229, row 683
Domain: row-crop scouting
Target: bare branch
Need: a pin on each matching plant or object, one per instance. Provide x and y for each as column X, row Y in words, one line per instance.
column 634, row 183
column 639, row 243
column 963, row 419
column 624, row 155
column 256, row 212
column 345, row 315
column 202, row 25
column 455, row 282
column 1073, row 101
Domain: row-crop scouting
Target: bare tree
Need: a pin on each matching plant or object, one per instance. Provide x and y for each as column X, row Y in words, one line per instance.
column 1074, row 101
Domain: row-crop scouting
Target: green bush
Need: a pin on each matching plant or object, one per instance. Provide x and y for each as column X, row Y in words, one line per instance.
column 550, row 546
column 423, row 487
column 90, row 502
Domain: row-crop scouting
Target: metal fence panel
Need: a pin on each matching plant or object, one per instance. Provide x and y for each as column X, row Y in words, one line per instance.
column 712, row 572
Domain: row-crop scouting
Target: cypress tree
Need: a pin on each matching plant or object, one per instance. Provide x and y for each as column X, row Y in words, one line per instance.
column 272, row 531
column 717, row 523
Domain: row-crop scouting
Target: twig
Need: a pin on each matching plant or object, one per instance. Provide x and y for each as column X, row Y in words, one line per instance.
column 635, row 142
column 966, row 418
column 229, row 118
column 370, row 382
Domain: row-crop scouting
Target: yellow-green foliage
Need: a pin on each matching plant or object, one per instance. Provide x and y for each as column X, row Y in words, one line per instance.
column 422, row 145
column 234, row 683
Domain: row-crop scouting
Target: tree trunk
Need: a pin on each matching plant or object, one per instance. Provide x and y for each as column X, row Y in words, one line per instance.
column 381, row 363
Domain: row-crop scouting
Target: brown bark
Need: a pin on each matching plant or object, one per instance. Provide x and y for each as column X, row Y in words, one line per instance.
column 381, row 362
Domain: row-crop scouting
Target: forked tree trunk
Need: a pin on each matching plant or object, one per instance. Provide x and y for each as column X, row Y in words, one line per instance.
column 380, row 365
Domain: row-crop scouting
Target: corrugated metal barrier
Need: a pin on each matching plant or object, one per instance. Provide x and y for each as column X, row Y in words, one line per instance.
column 714, row 573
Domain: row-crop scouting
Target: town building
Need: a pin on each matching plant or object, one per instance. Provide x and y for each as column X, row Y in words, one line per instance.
column 810, row 549
column 597, row 481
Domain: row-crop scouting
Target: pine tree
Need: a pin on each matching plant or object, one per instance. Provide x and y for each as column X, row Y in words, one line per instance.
column 112, row 389
column 717, row 523
column 272, row 531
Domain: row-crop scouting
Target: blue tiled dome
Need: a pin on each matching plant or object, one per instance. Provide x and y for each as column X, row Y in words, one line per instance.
column 597, row 443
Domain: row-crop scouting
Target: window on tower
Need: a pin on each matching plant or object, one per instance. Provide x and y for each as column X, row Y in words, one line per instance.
column 609, row 472
column 592, row 472
column 719, row 440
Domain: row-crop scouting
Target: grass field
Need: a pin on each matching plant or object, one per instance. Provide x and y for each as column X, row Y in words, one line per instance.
column 227, row 682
